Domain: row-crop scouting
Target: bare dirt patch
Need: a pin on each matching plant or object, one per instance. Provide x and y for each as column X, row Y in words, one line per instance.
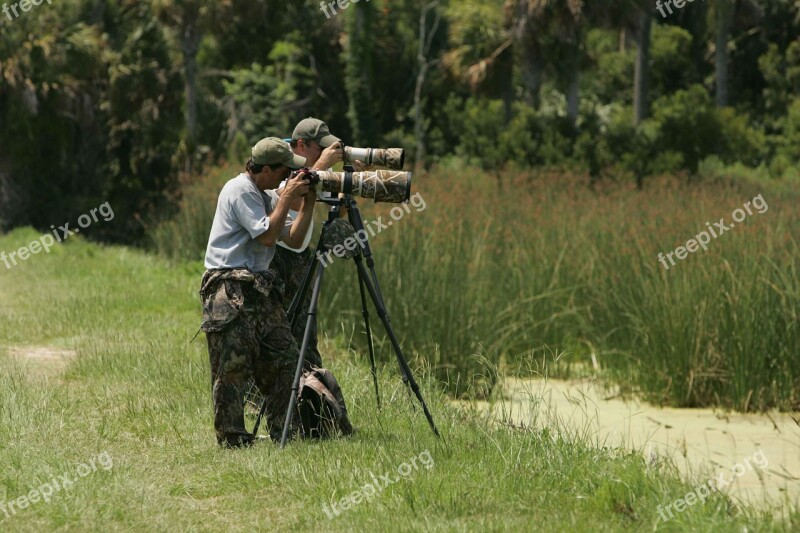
column 43, row 359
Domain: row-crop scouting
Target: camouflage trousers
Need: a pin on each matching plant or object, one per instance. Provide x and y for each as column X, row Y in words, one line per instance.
column 248, row 337
column 291, row 268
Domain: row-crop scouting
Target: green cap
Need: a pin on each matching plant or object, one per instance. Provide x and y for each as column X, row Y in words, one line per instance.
column 271, row 151
column 313, row 129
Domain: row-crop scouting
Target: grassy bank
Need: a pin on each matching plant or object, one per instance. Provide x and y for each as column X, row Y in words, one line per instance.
column 539, row 270
column 138, row 393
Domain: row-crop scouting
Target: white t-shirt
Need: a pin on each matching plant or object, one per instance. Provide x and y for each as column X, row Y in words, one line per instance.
column 242, row 215
column 290, row 218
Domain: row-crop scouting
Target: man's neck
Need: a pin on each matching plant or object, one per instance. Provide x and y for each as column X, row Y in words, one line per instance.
column 253, row 180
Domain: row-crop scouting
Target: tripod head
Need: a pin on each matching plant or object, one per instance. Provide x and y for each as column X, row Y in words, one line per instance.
column 337, row 202
column 344, row 201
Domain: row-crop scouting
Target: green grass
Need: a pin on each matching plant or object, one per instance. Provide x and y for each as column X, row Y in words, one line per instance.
column 139, row 391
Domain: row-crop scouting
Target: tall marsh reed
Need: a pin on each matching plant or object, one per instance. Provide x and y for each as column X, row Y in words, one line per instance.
column 537, row 269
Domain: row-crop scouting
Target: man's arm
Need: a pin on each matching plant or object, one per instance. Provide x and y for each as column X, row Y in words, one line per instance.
column 297, row 204
column 295, row 188
column 299, row 228
column 330, row 156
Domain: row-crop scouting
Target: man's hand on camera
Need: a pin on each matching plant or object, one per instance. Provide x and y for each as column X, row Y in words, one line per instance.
column 310, row 198
column 330, row 156
column 297, row 187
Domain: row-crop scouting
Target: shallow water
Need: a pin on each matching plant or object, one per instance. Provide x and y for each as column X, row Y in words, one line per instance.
column 757, row 455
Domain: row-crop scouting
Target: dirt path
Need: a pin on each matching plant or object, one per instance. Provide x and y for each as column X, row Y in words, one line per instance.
column 42, row 360
column 702, row 443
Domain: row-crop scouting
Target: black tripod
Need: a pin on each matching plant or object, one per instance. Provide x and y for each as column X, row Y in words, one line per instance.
column 364, row 282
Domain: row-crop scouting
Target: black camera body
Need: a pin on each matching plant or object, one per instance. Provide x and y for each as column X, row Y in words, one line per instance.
column 309, row 174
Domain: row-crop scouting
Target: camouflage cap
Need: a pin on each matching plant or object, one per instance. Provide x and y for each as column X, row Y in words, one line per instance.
column 313, row 129
column 273, row 151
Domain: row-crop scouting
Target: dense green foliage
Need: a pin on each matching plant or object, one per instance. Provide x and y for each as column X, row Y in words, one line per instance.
column 140, row 394
column 112, row 101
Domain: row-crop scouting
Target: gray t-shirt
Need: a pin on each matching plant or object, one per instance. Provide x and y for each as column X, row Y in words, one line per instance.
column 241, row 216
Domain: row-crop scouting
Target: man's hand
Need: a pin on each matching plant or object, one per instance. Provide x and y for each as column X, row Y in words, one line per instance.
column 309, row 200
column 330, row 156
column 297, row 187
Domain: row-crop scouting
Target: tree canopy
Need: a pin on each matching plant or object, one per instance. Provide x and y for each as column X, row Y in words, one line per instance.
column 123, row 101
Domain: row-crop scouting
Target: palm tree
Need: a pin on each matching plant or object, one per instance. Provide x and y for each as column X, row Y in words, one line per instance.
column 563, row 22
column 189, row 20
column 51, row 77
column 641, row 77
column 722, row 12
column 482, row 51
column 426, row 36
column 556, row 29
column 360, row 72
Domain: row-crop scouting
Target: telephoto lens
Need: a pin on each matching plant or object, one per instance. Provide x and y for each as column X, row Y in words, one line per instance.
column 390, row 158
column 388, row 186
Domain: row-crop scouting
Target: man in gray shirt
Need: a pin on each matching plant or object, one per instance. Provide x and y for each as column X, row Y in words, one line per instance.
column 246, row 328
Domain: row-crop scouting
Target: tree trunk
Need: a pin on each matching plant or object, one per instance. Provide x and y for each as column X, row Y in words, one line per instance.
column 425, row 40
column 573, row 98
column 724, row 18
column 641, row 107
column 190, row 43
column 419, row 121
column 359, row 73
column 531, row 76
column 98, row 11
column 525, row 44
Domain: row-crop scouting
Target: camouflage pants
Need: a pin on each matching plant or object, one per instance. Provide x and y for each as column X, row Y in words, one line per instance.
column 248, row 337
column 291, row 267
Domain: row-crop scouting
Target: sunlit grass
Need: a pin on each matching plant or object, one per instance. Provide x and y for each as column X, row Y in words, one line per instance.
column 139, row 391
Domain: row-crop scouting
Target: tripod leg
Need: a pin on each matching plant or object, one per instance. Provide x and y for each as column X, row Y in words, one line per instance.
column 293, row 313
column 405, row 369
column 379, row 303
column 260, row 416
column 370, row 344
column 358, row 223
column 312, row 315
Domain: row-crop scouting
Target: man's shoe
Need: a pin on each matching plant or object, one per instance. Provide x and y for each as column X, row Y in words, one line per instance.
column 236, row 441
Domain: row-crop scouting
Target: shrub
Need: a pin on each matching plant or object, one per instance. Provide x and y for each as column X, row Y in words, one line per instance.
column 690, row 125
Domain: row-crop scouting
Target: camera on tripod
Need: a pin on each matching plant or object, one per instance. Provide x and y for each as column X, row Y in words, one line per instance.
column 391, row 186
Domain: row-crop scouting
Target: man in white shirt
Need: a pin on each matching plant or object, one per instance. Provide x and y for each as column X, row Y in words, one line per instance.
column 246, row 327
